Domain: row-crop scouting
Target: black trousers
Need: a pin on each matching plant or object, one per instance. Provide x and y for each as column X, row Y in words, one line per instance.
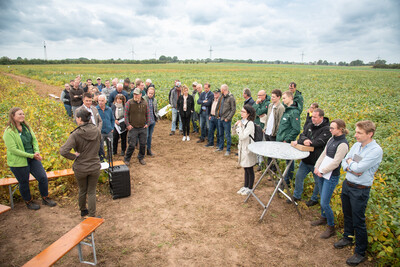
column 249, row 177
column 116, row 137
column 186, row 125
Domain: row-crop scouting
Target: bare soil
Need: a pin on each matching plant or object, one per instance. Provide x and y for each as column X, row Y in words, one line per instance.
column 183, row 211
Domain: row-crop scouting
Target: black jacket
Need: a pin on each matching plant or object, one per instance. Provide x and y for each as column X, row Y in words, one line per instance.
column 319, row 136
column 189, row 106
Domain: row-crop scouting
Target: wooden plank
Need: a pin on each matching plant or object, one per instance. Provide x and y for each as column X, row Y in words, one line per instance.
column 50, row 175
column 4, row 208
column 62, row 246
column 304, row 148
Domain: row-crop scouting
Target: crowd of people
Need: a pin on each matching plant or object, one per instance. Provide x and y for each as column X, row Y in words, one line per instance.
column 128, row 112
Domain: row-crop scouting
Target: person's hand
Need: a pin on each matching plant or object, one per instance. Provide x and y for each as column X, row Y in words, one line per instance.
column 117, row 122
column 129, row 127
column 293, row 143
column 349, row 160
column 307, row 142
column 146, row 126
column 226, row 120
column 209, row 117
column 316, row 172
column 205, row 101
column 37, row 156
column 77, row 154
column 239, row 122
column 262, row 115
column 258, row 101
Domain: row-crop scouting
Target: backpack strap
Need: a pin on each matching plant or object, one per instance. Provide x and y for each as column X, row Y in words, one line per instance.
column 252, row 138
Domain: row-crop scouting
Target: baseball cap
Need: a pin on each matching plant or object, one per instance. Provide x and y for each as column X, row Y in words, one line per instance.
column 194, row 84
column 137, row 91
column 98, row 78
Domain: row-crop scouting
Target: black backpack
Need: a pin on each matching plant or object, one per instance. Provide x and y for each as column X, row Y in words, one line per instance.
column 258, row 133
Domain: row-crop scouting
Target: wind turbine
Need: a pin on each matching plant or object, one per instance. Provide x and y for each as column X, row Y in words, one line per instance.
column 45, row 53
column 210, row 52
column 133, row 53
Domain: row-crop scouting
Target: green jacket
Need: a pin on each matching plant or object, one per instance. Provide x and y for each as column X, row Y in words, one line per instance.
column 16, row 155
column 289, row 126
column 197, row 107
column 261, row 109
column 298, row 98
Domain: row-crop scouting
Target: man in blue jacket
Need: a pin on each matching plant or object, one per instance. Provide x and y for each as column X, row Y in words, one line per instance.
column 205, row 100
column 106, row 115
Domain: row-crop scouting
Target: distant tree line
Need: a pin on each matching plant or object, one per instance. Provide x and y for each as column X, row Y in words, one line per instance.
column 167, row 59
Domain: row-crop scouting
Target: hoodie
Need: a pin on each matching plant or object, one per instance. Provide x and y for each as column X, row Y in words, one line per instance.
column 85, row 140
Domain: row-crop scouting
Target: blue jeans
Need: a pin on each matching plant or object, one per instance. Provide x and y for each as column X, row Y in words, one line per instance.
column 225, row 127
column 213, row 127
column 195, row 119
column 68, row 108
column 22, row 175
column 302, row 172
column 326, row 188
column 354, row 204
column 150, row 131
column 289, row 175
column 174, row 117
column 203, row 124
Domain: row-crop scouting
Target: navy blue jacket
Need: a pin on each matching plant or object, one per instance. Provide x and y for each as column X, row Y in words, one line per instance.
column 203, row 96
column 113, row 94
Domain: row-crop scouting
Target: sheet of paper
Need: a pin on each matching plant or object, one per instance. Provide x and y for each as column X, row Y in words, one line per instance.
column 164, row 110
column 104, row 165
column 327, row 160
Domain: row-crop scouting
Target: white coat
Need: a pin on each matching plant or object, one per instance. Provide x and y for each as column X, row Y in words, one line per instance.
column 246, row 158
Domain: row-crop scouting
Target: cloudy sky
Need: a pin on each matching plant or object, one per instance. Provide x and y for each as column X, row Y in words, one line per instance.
column 333, row 30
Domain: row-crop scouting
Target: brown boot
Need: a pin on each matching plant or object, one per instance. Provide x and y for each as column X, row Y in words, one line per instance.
column 330, row 231
column 320, row 221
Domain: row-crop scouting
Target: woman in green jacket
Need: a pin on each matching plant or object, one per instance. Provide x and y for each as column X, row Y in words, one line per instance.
column 23, row 158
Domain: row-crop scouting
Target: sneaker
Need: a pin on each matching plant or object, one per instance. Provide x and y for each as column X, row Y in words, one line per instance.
column 181, row 132
column 246, row 192
column 311, row 203
column 48, row 201
column 187, row 138
column 141, row 161
column 355, row 260
column 227, row 153
column 149, row 153
column 219, row 150
column 342, row 243
column 126, row 162
column 200, row 140
column 32, row 205
column 184, row 138
column 241, row 190
column 259, row 168
column 84, row 213
column 171, row 133
column 209, row 145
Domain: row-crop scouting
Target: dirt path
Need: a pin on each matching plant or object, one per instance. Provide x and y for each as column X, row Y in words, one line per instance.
column 184, row 211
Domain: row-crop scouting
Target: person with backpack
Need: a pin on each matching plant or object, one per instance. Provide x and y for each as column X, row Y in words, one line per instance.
column 245, row 128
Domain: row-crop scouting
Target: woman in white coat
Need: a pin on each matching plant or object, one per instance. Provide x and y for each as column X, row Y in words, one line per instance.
column 247, row 159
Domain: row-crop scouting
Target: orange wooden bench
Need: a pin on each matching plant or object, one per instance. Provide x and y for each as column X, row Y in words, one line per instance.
column 12, row 183
column 75, row 237
column 4, row 208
